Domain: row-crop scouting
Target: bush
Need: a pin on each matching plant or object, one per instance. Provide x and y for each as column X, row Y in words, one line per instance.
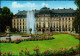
column 2, row 35
column 18, row 40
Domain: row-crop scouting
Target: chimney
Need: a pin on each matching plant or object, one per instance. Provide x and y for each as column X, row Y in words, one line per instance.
column 64, row 8
column 23, row 10
column 18, row 10
column 52, row 9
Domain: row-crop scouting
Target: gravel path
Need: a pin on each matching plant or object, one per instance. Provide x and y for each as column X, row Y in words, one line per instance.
column 14, row 37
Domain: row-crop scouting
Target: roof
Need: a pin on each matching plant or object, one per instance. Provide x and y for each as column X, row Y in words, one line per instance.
column 63, row 11
column 45, row 10
column 21, row 12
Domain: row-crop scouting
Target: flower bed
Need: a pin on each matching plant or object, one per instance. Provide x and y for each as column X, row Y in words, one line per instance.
column 18, row 40
column 2, row 35
column 38, row 37
column 77, row 36
column 50, row 52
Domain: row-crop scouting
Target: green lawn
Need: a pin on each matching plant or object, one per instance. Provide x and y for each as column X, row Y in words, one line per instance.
column 60, row 41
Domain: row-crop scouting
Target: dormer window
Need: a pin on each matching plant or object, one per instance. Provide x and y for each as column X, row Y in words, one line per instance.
column 64, row 8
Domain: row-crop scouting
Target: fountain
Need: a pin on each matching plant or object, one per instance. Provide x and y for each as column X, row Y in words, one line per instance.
column 30, row 21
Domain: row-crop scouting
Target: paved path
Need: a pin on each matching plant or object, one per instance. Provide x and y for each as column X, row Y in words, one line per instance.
column 14, row 37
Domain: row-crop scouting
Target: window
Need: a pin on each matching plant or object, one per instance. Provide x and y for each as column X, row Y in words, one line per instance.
column 20, row 23
column 14, row 23
column 62, row 18
column 66, row 18
column 17, row 23
column 37, row 25
column 69, row 18
column 20, row 20
column 72, row 18
column 14, row 20
column 23, row 27
column 20, row 27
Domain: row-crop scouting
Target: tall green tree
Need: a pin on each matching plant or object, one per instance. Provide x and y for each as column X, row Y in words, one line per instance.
column 76, row 24
column 77, row 3
column 6, row 18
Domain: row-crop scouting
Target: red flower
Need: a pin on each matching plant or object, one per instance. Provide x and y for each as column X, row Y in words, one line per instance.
column 37, row 50
column 21, row 50
column 65, row 49
column 0, row 53
column 25, row 53
column 26, row 48
column 8, row 53
column 28, row 51
column 44, row 52
column 71, row 47
column 33, row 49
column 76, row 46
column 4, row 53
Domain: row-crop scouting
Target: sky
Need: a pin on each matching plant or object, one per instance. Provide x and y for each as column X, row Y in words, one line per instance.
column 31, row 5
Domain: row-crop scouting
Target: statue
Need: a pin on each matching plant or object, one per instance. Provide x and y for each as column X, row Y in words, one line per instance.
column 8, row 32
column 30, row 32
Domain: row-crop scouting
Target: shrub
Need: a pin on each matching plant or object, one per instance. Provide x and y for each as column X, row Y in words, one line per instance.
column 18, row 40
column 2, row 35
column 26, row 35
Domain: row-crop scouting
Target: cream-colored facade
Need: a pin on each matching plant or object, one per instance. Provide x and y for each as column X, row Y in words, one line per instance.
column 19, row 24
column 60, row 21
column 45, row 23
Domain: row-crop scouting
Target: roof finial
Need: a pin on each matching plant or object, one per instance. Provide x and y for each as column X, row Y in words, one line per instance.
column 45, row 4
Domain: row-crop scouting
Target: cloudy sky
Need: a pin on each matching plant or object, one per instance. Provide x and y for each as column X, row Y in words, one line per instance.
column 31, row 5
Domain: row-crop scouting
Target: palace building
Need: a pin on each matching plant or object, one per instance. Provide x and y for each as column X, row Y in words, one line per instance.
column 46, row 20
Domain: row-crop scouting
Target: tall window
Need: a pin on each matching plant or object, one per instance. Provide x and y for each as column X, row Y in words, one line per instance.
column 66, row 18
column 23, row 23
column 23, row 27
column 23, row 20
column 69, row 18
column 20, row 23
column 62, row 18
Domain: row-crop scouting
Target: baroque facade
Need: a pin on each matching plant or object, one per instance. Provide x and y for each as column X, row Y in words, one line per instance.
column 46, row 20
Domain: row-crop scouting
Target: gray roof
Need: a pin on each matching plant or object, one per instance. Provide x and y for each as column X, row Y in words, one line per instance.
column 63, row 11
column 21, row 12
column 53, row 12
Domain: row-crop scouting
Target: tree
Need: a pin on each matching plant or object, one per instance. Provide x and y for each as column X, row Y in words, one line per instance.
column 76, row 20
column 6, row 18
column 77, row 3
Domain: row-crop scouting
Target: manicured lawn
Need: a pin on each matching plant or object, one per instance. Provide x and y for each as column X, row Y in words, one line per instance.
column 60, row 41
